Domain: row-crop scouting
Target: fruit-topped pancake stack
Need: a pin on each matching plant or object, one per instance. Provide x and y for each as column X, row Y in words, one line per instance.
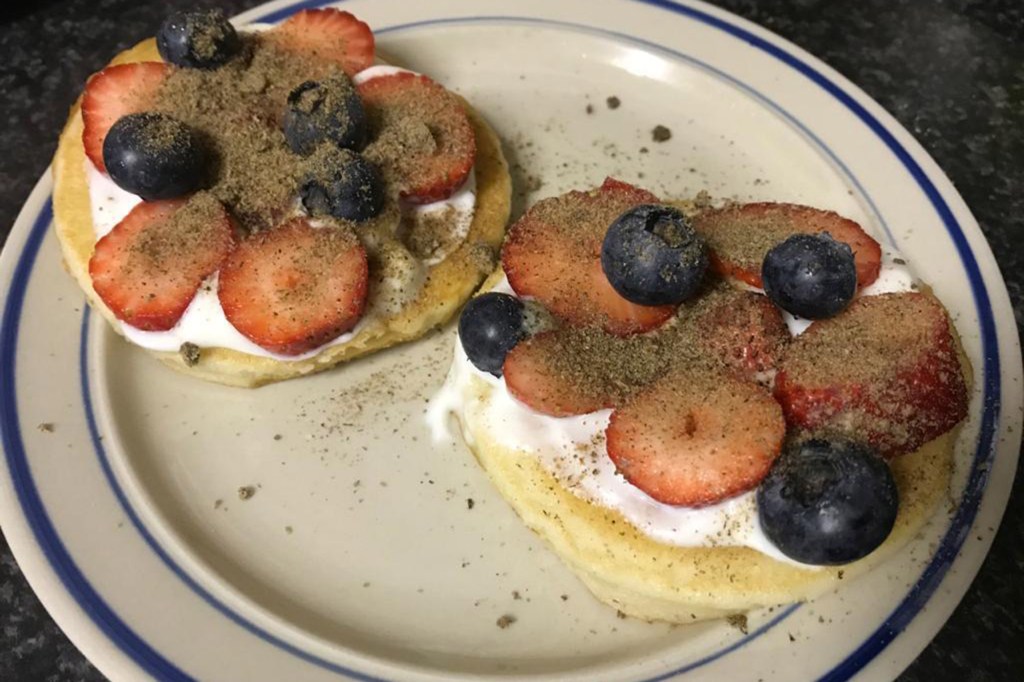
column 704, row 410
column 256, row 205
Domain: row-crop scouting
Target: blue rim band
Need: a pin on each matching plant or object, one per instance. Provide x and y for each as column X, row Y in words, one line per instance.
column 156, row 665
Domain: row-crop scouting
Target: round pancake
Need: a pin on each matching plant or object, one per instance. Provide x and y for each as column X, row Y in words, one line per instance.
column 650, row 580
column 446, row 287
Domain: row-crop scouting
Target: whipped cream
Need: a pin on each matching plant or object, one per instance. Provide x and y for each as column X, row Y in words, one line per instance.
column 204, row 322
column 573, row 448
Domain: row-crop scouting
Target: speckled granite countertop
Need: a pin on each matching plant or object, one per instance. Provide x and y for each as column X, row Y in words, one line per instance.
column 952, row 71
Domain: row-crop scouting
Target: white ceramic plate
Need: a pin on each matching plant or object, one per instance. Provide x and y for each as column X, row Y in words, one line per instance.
column 359, row 555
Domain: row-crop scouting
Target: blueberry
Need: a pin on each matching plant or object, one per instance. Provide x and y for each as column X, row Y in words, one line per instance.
column 652, row 256
column 828, row 502
column 201, row 39
column 343, row 184
column 810, row 275
column 320, row 111
column 490, row 326
column 154, row 156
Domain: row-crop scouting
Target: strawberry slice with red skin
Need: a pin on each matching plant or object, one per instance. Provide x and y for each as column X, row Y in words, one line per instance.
column 330, row 35
column 553, row 254
column 532, row 375
column 886, row 370
column 422, row 135
column 744, row 330
column 149, row 267
column 114, row 92
column 637, row 194
column 740, row 236
column 295, row 287
column 696, row 438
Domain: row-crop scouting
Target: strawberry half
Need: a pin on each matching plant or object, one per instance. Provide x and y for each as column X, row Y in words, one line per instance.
column 295, row 287
column 553, row 254
column 744, row 330
column 696, row 438
column 328, row 35
column 421, row 135
column 149, row 267
column 535, row 376
column 885, row 370
column 740, row 237
column 115, row 92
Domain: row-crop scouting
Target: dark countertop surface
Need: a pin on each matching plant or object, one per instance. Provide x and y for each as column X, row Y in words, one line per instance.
column 952, row 72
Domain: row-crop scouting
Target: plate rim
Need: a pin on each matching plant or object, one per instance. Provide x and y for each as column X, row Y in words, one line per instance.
column 836, row 85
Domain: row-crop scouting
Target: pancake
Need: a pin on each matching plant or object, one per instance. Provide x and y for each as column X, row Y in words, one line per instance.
column 651, row 580
column 447, row 285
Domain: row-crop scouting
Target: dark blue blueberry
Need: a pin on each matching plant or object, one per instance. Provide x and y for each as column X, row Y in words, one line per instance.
column 810, row 275
column 828, row 502
column 202, row 39
column 490, row 326
column 652, row 256
column 344, row 185
column 154, row 156
column 324, row 111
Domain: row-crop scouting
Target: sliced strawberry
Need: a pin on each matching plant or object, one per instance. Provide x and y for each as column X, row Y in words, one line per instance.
column 637, row 194
column 422, row 135
column 328, row 34
column 535, row 375
column 696, row 438
column 553, row 254
column 295, row 287
column 149, row 267
column 744, row 330
column 115, row 92
column 885, row 370
column 740, row 237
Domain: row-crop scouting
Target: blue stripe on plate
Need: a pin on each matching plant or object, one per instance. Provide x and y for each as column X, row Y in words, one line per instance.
column 978, row 478
column 209, row 598
column 153, row 663
column 28, row 495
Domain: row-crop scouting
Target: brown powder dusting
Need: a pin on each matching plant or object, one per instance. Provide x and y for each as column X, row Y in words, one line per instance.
column 237, row 111
column 537, row 319
column 164, row 134
column 429, row 235
column 738, row 621
column 747, row 237
column 581, row 216
column 328, row 165
column 599, row 363
column 395, row 276
column 324, row 101
column 859, row 344
column 208, row 31
column 484, row 257
column 186, row 231
column 505, row 621
column 190, row 353
column 399, row 135
column 401, row 142
column 413, row 128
